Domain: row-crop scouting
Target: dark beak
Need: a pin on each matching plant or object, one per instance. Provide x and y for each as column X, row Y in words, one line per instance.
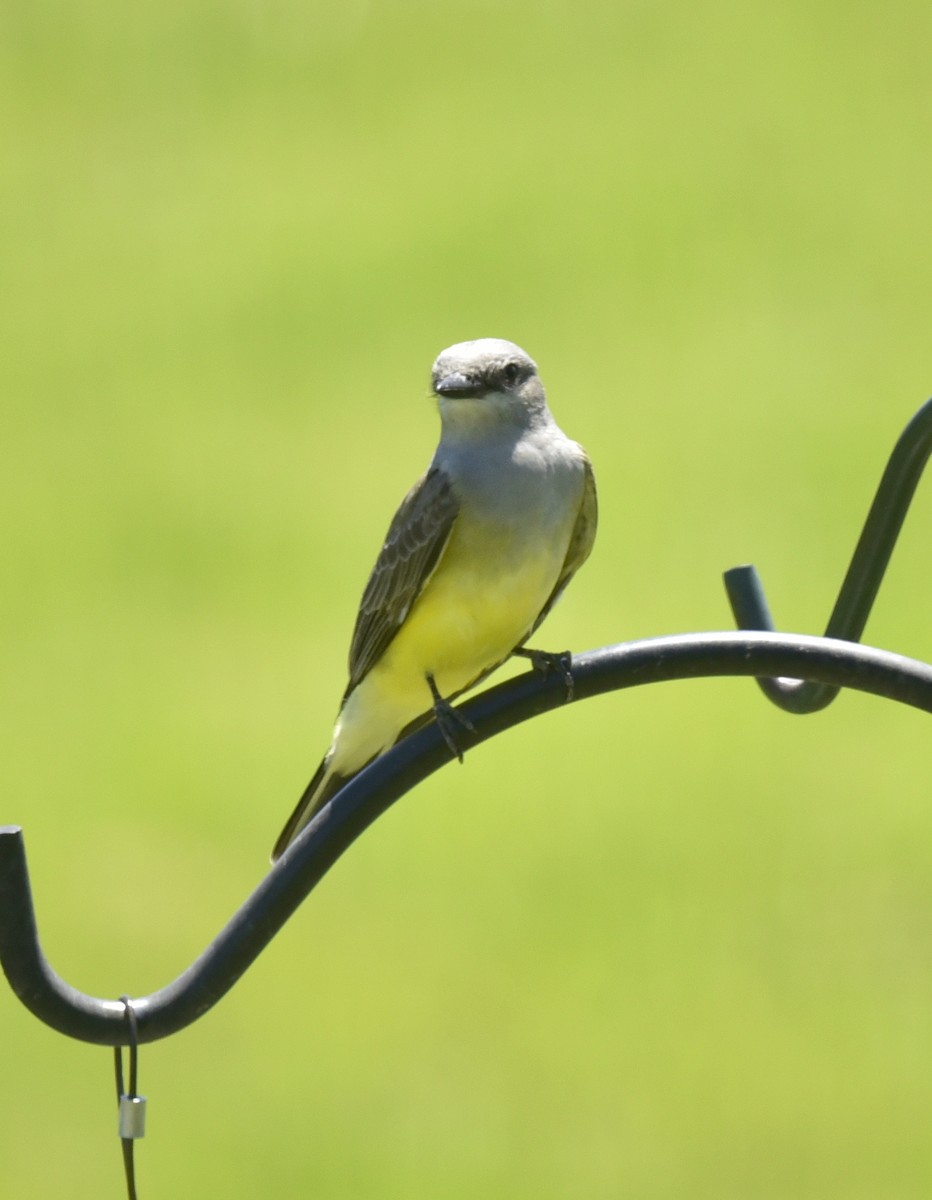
column 457, row 385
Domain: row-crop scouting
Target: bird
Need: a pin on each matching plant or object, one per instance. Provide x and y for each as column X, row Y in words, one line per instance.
column 479, row 551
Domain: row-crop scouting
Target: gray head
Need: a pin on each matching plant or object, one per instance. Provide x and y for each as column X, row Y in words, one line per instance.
column 487, row 378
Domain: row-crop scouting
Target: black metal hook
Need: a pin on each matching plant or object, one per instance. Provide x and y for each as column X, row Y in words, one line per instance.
column 865, row 572
column 826, row 662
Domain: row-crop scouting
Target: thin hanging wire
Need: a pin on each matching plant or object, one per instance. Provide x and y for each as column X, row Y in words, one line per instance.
column 122, row 1095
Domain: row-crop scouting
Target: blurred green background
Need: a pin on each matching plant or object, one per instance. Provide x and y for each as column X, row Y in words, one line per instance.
column 671, row 943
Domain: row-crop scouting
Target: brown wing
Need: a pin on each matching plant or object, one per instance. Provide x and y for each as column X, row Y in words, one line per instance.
column 415, row 540
column 581, row 540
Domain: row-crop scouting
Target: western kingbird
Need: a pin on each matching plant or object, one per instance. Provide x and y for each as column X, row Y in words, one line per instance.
column 475, row 558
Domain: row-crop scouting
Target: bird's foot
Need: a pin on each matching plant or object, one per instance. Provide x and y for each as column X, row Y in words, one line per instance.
column 449, row 719
column 548, row 662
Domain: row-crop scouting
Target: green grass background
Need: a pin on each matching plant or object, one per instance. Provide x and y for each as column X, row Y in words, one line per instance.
column 671, row 943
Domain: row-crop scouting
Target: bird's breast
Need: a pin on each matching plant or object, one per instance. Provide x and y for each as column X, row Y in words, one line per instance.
column 496, row 574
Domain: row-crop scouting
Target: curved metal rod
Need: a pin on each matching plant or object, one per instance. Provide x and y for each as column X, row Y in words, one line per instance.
column 336, row 827
column 861, row 583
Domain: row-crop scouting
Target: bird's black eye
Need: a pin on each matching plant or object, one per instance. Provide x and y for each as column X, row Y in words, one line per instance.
column 511, row 372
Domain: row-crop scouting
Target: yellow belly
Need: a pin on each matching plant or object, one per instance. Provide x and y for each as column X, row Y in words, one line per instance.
column 481, row 602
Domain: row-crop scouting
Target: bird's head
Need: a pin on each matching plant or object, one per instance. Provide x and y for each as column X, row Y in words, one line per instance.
column 488, row 379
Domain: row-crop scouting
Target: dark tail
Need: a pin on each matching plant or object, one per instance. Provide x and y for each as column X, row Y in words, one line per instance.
column 327, row 783
column 324, row 785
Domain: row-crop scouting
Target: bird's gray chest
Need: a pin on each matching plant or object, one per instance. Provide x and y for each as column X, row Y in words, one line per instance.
column 529, row 496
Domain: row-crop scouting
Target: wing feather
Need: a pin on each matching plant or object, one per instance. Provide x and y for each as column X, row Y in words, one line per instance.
column 413, row 545
column 580, row 545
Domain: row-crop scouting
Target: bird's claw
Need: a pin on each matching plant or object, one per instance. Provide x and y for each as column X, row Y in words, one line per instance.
column 547, row 662
column 448, row 718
